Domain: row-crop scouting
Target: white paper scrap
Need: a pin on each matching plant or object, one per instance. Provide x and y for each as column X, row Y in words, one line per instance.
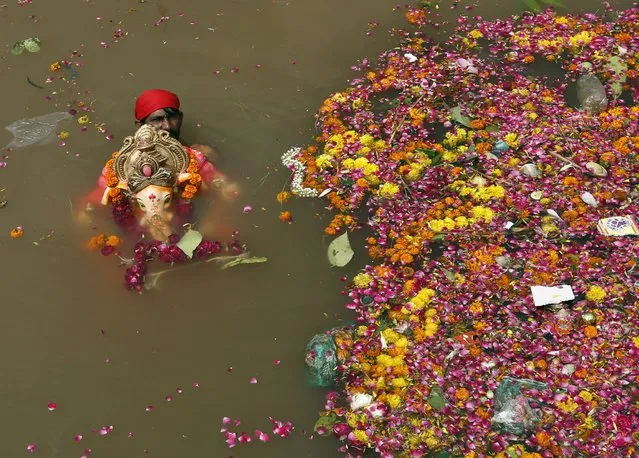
column 545, row 295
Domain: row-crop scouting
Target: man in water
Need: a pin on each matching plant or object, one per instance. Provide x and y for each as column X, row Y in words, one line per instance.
column 161, row 109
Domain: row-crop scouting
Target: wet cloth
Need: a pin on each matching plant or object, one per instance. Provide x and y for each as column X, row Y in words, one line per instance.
column 154, row 99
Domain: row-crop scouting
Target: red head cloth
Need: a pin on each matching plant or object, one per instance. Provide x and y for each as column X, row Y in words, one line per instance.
column 154, row 99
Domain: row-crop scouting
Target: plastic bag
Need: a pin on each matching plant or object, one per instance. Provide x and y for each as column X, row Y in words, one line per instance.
column 324, row 353
column 38, row 130
column 513, row 413
column 591, row 94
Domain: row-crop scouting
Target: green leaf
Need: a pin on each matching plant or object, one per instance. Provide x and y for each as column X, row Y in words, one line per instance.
column 457, row 116
column 555, row 3
column 238, row 261
column 532, row 5
column 32, row 44
column 449, row 274
column 436, row 398
column 439, row 237
column 619, row 67
column 18, row 47
column 326, row 421
column 189, row 242
column 492, row 128
column 340, row 252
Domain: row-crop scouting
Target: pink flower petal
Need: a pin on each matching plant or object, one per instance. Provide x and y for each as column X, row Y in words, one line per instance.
column 253, row 380
column 276, row 362
column 149, row 408
column 261, row 435
column 247, row 209
column 244, row 438
column 32, row 448
column 169, row 398
column 195, row 384
column 226, row 420
column 52, row 406
column 231, row 439
column 78, row 437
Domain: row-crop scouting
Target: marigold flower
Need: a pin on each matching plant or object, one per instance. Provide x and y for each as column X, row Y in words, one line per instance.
column 113, row 240
column 462, row 394
column 285, row 217
column 596, row 293
column 17, row 232
column 543, row 438
column 283, row 197
column 590, row 332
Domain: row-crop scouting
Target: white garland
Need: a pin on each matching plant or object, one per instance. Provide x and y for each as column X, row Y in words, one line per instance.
column 289, row 159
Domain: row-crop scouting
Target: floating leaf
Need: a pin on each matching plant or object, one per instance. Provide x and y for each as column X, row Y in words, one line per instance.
column 339, row 251
column 436, row 398
column 457, row 116
column 32, row 44
column 189, row 242
column 532, row 5
column 449, row 275
column 619, row 67
column 555, row 3
column 492, row 128
column 18, row 47
column 326, row 421
column 438, row 237
column 238, row 261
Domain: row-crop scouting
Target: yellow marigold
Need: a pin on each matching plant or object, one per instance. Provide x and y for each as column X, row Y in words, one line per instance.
column 568, row 405
column 596, row 293
column 585, row 395
column 324, row 161
column 635, row 340
column 393, row 400
column 361, row 436
column 362, row 280
column 388, row 189
column 484, row 213
column 475, row 34
column 399, row 382
column 436, row 225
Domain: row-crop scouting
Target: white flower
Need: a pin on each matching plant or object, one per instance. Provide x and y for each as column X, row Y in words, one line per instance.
column 289, row 159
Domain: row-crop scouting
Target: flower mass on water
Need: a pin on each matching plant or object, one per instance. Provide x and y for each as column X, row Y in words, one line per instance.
column 481, row 180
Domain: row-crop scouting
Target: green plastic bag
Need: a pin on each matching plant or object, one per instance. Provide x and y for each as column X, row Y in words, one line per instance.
column 322, row 356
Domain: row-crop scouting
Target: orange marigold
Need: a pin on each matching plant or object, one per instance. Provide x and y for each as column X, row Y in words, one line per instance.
column 462, row 394
column 16, row 233
column 543, row 438
column 286, row 217
column 590, row 332
column 113, row 240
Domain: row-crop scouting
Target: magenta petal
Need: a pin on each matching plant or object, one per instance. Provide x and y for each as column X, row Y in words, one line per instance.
column 32, row 448
column 52, row 406
column 78, row 438
column 253, row 380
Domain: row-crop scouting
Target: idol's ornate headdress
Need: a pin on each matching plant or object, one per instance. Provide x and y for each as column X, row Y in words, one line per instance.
column 150, row 157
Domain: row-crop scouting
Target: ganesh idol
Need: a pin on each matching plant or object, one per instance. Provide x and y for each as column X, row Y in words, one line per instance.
column 151, row 181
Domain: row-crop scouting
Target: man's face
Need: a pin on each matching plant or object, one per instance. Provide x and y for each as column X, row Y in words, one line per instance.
column 168, row 119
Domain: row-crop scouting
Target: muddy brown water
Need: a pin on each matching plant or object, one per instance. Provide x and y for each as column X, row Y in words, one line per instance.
column 70, row 333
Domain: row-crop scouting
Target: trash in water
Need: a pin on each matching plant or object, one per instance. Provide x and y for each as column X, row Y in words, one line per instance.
column 591, row 94
column 513, row 413
column 618, row 226
column 38, row 130
column 323, row 355
column 30, row 44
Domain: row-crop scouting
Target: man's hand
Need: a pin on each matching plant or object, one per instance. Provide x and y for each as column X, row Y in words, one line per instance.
column 210, row 152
